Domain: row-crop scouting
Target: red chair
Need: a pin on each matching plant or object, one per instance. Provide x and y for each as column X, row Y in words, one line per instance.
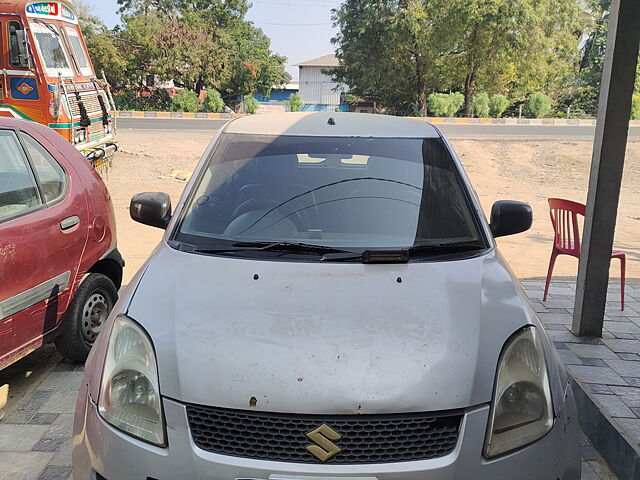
column 564, row 217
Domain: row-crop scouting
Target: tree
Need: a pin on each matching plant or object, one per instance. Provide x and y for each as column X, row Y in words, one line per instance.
column 200, row 44
column 513, row 43
column 252, row 67
column 102, row 46
column 388, row 51
column 295, row 102
column 400, row 51
column 592, row 60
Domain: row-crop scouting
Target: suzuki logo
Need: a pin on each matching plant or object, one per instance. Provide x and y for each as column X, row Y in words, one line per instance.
column 324, row 448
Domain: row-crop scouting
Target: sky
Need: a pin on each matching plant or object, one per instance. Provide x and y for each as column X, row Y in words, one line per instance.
column 299, row 29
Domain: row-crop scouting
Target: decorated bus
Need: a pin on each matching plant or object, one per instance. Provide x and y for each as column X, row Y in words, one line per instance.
column 48, row 77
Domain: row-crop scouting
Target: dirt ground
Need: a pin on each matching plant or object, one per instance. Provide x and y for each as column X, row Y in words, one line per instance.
column 530, row 171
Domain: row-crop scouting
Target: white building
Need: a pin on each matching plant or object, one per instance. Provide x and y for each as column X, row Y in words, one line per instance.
column 317, row 89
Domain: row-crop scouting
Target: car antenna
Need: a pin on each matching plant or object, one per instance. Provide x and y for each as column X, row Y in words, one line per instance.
column 331, row 121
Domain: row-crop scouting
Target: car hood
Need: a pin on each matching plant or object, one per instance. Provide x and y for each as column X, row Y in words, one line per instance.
column 327, row 338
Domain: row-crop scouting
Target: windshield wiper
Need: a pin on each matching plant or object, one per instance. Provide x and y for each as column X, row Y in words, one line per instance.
column 285, row 247
column 53, row 30
column 404, row 255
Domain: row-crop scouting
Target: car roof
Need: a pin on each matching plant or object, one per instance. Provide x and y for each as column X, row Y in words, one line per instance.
column 328, row 124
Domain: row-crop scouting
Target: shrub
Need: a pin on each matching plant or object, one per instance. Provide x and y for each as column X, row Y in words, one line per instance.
column 185, row 101
column 480, row 105
column 157, row 100
column 635, row 107
column 497, row 105
column 252, row 105
column 539, row 106
column 295, row 102
column 445, row 104
column 213, row 103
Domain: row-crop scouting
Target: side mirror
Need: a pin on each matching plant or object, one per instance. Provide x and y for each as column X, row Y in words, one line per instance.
column 509, row 218
column 151, row 208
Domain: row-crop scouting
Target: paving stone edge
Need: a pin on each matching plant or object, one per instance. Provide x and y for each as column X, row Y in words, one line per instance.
column 609, row 439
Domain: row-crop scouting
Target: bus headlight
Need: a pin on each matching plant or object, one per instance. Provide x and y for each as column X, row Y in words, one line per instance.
column 80, row 136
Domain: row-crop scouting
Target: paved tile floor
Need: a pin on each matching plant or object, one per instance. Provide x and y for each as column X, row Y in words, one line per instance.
column 608, row 367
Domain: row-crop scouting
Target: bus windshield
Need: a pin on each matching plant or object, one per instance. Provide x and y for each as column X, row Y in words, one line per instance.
column 49, row 44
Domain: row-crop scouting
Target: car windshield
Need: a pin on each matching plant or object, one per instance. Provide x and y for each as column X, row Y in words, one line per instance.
column 49, row 45
column 347, row 193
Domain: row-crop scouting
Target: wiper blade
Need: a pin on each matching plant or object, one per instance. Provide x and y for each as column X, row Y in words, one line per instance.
column 403, row 255
column 286, row 247
column 446, row 248
column 53, row 30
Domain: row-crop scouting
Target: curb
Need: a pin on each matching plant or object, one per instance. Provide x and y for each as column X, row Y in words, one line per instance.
column 182, row 115
column 434, row 120
column 620, row 452
column 514, row 121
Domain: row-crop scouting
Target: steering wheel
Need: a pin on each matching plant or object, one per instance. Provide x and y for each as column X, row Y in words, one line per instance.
column 256, row 205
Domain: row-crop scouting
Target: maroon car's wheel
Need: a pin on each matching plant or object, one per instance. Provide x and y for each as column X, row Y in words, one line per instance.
column 85, row 316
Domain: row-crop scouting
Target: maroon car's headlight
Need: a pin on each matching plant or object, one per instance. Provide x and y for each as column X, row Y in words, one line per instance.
column 522, row 409
column 130, row 391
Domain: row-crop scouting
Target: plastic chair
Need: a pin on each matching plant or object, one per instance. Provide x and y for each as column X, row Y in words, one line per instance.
column 564, row 217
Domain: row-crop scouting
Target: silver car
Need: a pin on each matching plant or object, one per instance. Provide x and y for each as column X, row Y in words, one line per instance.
column 327, row 303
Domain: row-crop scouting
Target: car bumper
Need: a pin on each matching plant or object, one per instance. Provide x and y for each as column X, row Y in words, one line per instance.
column 102, row 452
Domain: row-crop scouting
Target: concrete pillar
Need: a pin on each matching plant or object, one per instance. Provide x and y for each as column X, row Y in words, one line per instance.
column 612, row 130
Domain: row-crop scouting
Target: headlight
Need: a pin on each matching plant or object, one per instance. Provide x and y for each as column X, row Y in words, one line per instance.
column 129, row 392
column 522, row 410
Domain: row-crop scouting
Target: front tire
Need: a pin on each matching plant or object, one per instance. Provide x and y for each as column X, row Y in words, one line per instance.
column 87, row 313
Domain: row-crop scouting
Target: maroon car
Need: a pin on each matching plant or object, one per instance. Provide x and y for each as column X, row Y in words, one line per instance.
column 60, row 270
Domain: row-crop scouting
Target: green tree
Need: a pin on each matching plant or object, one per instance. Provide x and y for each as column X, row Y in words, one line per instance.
column 481, row 105
column 295, row 102
column 498, row 103
column 102, row 45
column 521, row 44
column 388, row 52
column 539, row 105
column 592, row 61
column 200, row 44
column 400, row 51
column 253, row 67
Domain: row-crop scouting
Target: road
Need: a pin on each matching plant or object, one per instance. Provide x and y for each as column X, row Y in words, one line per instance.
column 524, row 132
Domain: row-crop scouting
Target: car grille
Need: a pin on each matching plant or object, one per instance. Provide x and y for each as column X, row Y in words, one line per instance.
column 91, row 103
column 364, row 438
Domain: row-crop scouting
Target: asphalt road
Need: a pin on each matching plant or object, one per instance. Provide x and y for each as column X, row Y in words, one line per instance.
column 525, row 132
